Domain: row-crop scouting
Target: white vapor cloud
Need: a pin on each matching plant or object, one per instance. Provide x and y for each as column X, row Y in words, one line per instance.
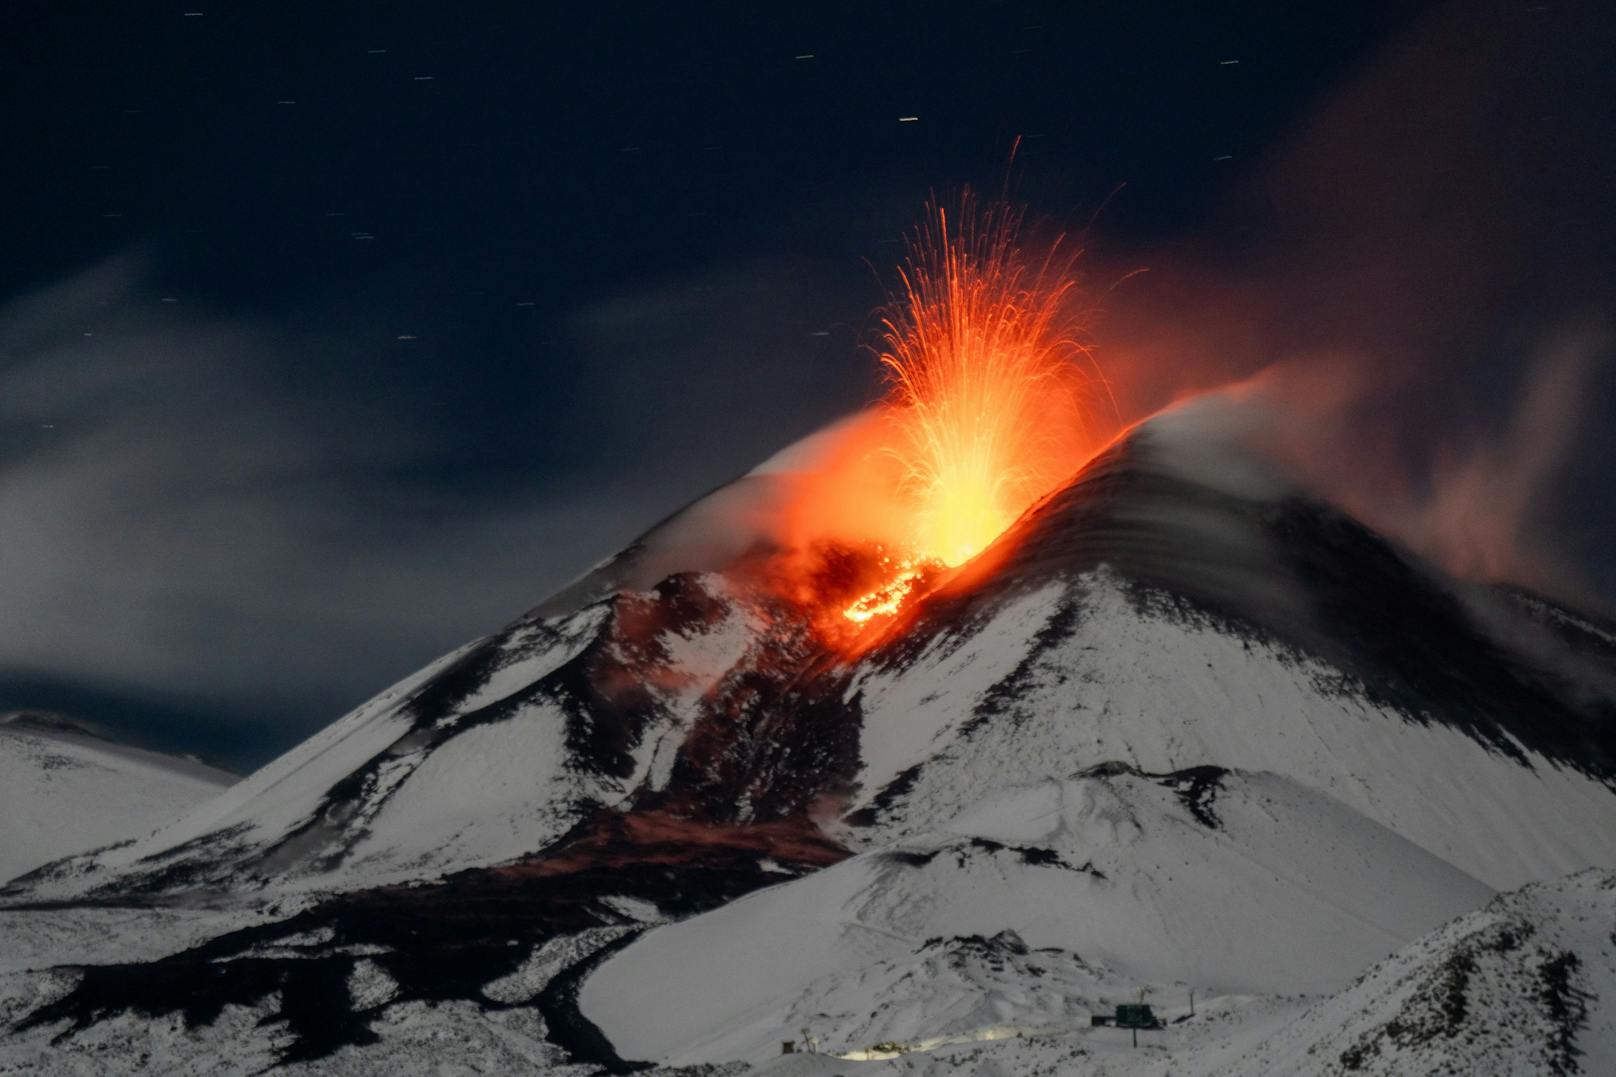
column 177, row 519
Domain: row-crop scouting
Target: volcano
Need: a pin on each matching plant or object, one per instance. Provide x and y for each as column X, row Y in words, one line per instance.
column 1183, row 733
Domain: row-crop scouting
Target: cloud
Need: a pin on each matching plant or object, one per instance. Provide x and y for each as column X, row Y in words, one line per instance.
column 182, row 519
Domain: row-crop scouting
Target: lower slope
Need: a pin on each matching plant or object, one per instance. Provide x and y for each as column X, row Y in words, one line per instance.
column 67, row 790
column 1222, row 881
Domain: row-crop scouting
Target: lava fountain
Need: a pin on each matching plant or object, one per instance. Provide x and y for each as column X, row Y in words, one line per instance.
column 988, row 386
column 985, row 375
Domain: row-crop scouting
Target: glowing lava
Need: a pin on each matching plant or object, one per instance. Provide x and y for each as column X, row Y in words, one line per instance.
column 887, row 599
column 985, row 387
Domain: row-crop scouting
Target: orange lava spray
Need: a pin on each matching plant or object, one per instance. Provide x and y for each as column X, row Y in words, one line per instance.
column 988, row 408
column 987, row 377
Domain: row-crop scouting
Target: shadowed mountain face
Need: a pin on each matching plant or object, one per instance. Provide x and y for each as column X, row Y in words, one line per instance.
column 493, row 829
column 1294, row 571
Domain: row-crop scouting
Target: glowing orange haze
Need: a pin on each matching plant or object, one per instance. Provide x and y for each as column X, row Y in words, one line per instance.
column 988, row 388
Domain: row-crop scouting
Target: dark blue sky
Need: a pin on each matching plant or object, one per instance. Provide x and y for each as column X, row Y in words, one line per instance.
column 332, row 335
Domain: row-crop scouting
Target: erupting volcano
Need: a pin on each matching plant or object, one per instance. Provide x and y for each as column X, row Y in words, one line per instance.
column 936, row 734
column 882, row 630
column 987, row 385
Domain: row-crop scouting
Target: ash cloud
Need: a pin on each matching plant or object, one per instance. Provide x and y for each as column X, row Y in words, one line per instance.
column 1417, row 286
column 1486, row 510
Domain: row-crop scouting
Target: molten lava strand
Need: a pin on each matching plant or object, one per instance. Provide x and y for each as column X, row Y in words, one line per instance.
column 887, row 599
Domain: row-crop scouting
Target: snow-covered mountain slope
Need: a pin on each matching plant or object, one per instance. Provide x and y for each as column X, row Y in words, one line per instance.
column 1525, row 985
column 1145, row 616
column 66, row 787
column 1098, row 667
column 1182, row 728
column 1522, row 986
column 1238, row 883
column 493, row 752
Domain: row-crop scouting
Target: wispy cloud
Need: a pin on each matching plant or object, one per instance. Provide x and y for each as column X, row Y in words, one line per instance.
column 190, row 509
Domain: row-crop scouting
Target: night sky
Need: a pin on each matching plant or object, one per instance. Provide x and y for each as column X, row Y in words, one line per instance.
column 334, row 335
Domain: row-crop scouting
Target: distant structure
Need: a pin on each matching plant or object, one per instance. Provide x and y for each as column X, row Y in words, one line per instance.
column 808, row 1044
column 1130, row 1015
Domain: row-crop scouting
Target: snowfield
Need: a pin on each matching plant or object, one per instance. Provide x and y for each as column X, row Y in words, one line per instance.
column 66, row 790
column 1523, row 985
column 1112, row 880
